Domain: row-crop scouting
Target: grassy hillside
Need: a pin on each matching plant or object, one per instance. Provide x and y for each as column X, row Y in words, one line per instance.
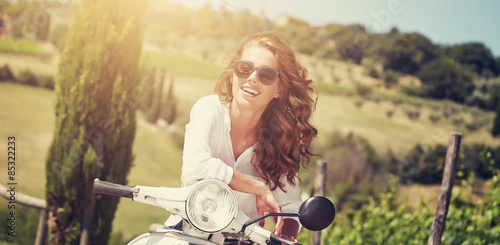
column 28, row 114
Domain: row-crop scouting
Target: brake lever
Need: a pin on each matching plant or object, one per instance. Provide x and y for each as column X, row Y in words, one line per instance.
column 265, row 216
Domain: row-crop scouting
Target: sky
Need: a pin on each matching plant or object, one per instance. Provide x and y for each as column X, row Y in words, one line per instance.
column 445, row 22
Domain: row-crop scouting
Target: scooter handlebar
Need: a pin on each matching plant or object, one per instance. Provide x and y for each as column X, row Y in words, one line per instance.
column 108, row 188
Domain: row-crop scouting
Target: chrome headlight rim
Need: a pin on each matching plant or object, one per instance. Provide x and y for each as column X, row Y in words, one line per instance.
column 226, row 189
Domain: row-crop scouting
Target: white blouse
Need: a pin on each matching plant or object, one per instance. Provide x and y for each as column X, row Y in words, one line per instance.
column 208, row 154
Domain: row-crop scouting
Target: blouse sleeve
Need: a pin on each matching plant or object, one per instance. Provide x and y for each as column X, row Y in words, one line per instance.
column 198, row 162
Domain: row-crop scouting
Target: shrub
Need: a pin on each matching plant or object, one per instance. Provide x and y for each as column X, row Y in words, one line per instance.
column 358, row 102
column 371, row 68
column 435, row 107
column 450, row 110
column 390, row 78
column 412, row 90
column 423, row 164
column 416, row 104
column 25, row 233
column 412, row 112
column 352, row 165
column 363, row 90
column 397, row 101
column 446, row 79
column 481, row 160
column 27, row 77
column 457, row 120
column 389, row 112
column 169, row 104
column 47, row 82
column 435, row 117
column 6, row 74
column 473, row 126
column 387, row 221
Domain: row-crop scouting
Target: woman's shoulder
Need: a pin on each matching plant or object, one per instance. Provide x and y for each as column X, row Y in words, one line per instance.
column 210, row 103
column 209, row 99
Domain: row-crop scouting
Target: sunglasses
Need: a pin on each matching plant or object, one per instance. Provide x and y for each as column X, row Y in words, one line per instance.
column 266, row 75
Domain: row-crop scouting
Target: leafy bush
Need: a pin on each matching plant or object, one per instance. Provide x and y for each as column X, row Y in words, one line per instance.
column 481, row 160
column 47, row 81
column 457, row 120
column 390, row 78
column 397, row 101
column 474, row 223
column 358, row 102
column 423, row 164
column 169, row 104
column 446, row 79
column 371, row 68
column 27, row 77
column 390, row 222
column 363, row 90
column 435, row 107
column 390, row 112
column 381, row 222
column 6, row 74
column 355, row 171
column 412, row 112
column 435, row 117
column 25, row 233
column 473, row 126
column 412, row 90
column 450, row 110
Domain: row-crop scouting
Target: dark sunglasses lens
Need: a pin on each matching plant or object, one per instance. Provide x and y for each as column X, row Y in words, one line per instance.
column 267, row 76
column 243, row 69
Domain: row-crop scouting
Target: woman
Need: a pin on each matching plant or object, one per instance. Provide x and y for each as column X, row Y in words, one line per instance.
column 255, row 133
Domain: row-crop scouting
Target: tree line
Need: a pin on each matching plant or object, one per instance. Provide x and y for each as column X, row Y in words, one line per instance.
column 466, row 73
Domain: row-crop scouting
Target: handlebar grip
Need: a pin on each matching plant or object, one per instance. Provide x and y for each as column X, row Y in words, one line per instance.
column 276, row 240
column 112, row 189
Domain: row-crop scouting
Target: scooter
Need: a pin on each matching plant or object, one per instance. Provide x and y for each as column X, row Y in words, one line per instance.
column 209, row 207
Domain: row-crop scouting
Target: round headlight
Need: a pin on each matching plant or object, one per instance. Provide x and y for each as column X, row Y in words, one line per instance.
column 211, row 206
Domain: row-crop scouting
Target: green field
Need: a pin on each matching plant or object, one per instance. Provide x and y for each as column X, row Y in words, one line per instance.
column 28, row 114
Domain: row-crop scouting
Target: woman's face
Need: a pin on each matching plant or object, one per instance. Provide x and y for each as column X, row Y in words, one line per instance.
column 249, row 92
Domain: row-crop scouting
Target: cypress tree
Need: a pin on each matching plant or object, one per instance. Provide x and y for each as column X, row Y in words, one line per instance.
column 95, row 119
column 496, row 123
column 155, row 108
column 169, row 110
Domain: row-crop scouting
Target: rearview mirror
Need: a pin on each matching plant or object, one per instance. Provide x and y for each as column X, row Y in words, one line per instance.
column 316, row 213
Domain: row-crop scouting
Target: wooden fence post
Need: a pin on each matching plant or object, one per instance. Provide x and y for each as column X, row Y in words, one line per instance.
column 31, row 202
column 319, row 190
column 446, row 186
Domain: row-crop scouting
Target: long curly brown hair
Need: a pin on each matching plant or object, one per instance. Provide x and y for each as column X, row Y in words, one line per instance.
column 284, row 131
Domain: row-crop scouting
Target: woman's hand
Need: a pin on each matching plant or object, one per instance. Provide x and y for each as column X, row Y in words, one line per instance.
column 289, row 238
column 264, row 198
column 266, row 202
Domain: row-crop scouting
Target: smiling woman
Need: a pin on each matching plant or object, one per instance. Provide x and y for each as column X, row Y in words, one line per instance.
column 255, row 133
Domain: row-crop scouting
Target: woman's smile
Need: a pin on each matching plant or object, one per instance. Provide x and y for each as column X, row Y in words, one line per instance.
column 248, row 91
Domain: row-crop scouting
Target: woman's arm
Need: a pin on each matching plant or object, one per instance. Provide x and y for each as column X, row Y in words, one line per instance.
column 265, row 200
column 203, row 128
